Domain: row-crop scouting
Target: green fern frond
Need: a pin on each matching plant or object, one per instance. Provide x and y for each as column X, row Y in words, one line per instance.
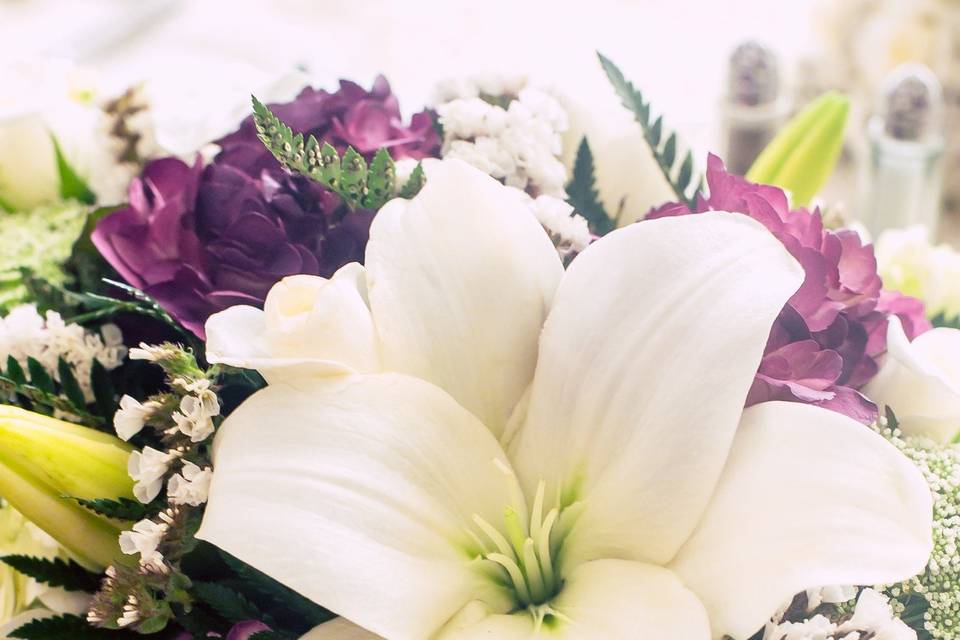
column 678, row 173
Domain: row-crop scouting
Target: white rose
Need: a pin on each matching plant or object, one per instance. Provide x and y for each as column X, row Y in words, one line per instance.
column 309, row 325
column 920, row 381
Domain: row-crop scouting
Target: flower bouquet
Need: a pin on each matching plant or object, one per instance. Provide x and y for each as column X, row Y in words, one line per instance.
column 342, row 374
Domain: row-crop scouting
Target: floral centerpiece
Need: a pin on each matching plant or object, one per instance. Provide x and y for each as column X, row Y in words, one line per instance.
column 357, row 376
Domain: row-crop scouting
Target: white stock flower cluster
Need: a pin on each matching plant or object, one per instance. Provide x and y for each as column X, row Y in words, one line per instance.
column 568, row 230
column 185, row 418
column 873, row 617
column 24, row 334
column 514, row 137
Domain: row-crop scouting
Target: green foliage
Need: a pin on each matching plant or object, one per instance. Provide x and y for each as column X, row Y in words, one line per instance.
column 359, row 185
column 37, row 242
column 72, row 186
column 414, row 183
column 65, row 627
column 230, row 604
column 41, row 393
column 582, row 192
column 122, row 508
column 678, row 173
column 284, row 603
column 56, row 572
column 941, row 320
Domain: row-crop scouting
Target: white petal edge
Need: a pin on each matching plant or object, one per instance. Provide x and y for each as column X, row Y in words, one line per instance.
column 809, row 498
column 610, row 599
column 652, row 343
column 339, row 629
column 310, row 327
column 355, row 492
column 460, row 281
column 920, row 381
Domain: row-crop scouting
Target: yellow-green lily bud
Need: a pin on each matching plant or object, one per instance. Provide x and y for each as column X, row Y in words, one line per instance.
column 44, row 462
column 801, row 157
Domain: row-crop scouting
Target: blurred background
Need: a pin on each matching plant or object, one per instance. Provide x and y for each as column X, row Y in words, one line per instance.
column 725, row 74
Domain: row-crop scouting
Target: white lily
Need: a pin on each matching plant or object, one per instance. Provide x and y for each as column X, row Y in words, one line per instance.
column 546, row 452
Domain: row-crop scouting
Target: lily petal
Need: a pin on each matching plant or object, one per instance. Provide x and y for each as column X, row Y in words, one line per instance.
column 310, row 327
column 809, row 498
column 339, row 629
column 461, row 278
column 613, row 599
column 645, row 363
column 356, row 492
column 920, row 381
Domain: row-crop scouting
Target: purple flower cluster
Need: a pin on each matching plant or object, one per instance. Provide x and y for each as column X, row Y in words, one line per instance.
column 824, row 345
column 200, row 239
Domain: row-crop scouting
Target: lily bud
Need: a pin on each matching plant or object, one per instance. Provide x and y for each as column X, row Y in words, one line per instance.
column 801, row 157
column 44, row 462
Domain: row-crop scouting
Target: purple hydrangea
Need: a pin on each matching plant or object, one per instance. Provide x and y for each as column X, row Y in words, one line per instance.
column 824, row 345
column 201, row 239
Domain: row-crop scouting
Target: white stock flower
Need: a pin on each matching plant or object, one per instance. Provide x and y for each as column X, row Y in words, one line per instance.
column 920, row 381
column 151, row 353
column 144, row 539
column 192, row 487
column 147, row 468
column 568, row 230
column 196, row 412
column 132, row 416
column 555, row 450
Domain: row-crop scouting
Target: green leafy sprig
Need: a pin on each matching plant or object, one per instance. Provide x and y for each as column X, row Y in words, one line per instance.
column 65, row 627
column 37, row 386
column 56, row 572
column 678, row 173
column 582, row 192
column 349, row 176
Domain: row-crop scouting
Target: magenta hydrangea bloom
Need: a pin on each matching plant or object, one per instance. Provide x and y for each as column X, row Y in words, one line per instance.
column 824, row 345
column 201, row 239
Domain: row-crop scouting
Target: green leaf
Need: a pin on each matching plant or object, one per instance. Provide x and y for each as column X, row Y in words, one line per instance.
column 39, row 377
column 353, row 176
column 122, row 508
column 103, row 392
column 414, row 183
column 15, row 371
column 582, row 192
column 381, row 179
column 231, row 605
column 69, row 385
column 665, row 154
column 279, row 598
column 65, row 627
column 72, row 186
column 56, row 572
column 670, row 149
